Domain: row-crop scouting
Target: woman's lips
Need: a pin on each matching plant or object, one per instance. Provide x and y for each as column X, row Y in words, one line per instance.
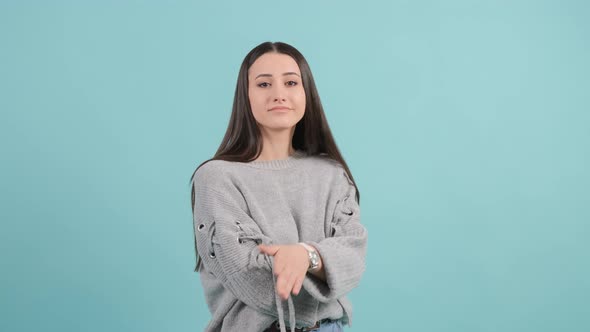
column 279, row 109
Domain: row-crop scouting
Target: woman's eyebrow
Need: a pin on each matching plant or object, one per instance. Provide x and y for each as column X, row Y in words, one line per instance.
column 284, row 74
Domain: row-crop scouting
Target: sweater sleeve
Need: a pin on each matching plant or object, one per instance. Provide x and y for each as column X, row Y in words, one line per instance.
column 227, row 239
column 343, row 251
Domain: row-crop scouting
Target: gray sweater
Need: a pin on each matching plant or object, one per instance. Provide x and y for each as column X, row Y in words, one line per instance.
column 303, row 198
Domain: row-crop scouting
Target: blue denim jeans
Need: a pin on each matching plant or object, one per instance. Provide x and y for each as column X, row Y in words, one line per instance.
column 333, row 326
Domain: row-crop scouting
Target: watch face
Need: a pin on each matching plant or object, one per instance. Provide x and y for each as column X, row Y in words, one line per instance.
column 314, row 259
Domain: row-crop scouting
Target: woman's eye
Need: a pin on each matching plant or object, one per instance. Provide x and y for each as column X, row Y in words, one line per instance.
column 294, row 83
column 263, row 86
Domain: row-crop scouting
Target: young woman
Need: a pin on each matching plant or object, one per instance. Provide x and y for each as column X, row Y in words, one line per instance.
column 276, row 210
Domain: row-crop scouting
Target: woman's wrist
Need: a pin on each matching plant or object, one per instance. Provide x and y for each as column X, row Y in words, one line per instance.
column 319, row 270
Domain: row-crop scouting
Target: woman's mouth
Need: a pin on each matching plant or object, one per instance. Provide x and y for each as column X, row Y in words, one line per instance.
column 279, row 109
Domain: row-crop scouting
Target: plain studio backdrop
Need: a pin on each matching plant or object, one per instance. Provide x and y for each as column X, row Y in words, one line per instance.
column 466, row 125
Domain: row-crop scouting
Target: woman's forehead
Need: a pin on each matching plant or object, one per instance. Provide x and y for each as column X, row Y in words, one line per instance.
column 273, row 64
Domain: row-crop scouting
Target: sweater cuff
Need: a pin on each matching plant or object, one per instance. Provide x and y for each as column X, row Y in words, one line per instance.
column 343, row 267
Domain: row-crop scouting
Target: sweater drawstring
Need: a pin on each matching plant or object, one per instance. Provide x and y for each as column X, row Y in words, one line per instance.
column 279, row 304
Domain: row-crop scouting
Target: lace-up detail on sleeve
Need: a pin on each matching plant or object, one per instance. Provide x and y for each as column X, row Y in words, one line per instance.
column 227, row 241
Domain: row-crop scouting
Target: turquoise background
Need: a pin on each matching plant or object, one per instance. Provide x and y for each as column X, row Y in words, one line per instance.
column 465, row 123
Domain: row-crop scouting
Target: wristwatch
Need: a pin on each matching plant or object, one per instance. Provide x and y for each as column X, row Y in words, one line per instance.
column 314, row 257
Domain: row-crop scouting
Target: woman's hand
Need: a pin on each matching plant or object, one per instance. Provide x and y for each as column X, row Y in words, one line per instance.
column 290, row 266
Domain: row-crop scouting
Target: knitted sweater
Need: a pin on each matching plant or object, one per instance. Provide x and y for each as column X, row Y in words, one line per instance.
column 239, row 205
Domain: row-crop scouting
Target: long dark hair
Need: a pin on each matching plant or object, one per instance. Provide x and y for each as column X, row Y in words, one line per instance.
column 243, row 141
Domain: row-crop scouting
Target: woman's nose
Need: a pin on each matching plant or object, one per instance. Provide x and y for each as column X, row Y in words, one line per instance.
column 279, row 94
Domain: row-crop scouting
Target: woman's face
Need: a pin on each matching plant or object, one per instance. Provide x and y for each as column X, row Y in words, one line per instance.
column 275, row 91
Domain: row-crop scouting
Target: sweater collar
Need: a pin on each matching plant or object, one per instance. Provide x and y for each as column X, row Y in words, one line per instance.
column 291, row 161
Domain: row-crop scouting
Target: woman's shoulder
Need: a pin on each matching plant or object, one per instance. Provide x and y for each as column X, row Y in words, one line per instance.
column 328, row 171
column 210, row 166
column 211, row 172
column 325, row 163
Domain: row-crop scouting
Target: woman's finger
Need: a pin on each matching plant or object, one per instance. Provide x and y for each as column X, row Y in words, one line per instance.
column 281, row 286
column 269, row 250
column 297, row 285
column 289, row 283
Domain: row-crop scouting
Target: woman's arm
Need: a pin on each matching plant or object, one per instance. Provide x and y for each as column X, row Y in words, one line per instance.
column 343, row 252
column 227, row 239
